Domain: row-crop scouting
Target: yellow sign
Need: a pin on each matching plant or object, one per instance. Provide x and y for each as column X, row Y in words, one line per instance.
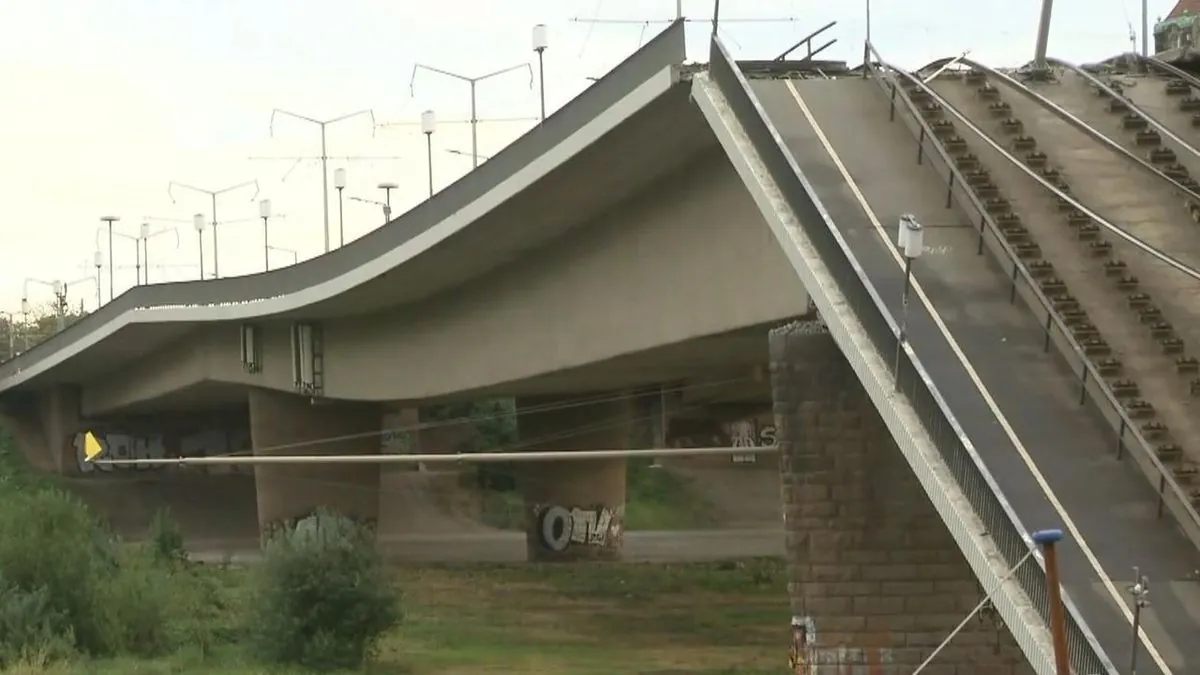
column 91, row 446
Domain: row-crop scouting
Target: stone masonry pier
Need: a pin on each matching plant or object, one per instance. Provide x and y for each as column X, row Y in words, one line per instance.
column 876, row 582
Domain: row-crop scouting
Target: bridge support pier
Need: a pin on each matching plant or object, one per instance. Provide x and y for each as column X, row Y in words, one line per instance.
column 44, row 428
column 289, row 424
column 574, row 509
column 874, row 577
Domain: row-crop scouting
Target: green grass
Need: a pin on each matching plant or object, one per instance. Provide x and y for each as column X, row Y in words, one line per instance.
column 656, row 499
column 588, row 619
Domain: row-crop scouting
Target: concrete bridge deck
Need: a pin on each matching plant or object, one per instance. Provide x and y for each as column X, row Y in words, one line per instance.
column 596, row 273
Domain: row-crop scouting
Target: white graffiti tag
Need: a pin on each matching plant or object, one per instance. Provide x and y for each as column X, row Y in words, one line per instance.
column 119, row 446
column 560, row 527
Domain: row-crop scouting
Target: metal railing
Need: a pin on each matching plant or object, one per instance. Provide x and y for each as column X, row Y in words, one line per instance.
column 976, row 483
column 1128, row 436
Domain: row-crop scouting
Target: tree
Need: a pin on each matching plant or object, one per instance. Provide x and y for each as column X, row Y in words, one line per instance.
column 38, row 325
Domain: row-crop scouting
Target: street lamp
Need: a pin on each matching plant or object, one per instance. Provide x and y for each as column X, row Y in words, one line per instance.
column 98, row 261
column 111, row 264
column 213, row 194
column 428, row 126
column 324, row 154
column 387, row 200
column 109, row 220
column 541, row 40
column 146, row 235
column 472, row 81
column 910, row 239
column 264, row 212
column 198, row 223
column 339, row 182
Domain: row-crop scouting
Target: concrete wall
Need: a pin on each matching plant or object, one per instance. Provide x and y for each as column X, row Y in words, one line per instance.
column 688, row 257
column 874, row 577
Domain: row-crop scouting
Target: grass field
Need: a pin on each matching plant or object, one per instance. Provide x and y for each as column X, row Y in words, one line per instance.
column 696, row 619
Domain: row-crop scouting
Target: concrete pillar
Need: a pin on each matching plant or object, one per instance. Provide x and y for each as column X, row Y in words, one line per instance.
column 279, row 422
column 574, row 510
column 875, row 579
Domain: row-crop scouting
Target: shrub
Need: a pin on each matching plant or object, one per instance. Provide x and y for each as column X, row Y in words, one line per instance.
column 166, row 538
column 321, row 596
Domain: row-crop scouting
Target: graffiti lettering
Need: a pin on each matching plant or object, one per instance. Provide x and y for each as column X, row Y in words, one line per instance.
column 750, row 433
column 212, row 442
column 119, row 446
column 560, row 527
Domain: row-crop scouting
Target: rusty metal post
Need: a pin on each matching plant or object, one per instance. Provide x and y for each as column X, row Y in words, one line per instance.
column 1058, row 628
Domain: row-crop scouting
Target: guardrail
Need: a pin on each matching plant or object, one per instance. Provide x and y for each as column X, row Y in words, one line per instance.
column 1092, row 385
column 976, row 483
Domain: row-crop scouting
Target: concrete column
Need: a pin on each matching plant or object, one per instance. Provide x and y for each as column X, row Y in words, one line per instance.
column 874, row 578
column 279, row 421
column 574, row 510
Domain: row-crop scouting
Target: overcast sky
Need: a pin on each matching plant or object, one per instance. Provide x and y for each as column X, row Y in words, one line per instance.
column 107, row 101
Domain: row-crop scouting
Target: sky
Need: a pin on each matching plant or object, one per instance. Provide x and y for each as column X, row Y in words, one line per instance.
column 106, row 102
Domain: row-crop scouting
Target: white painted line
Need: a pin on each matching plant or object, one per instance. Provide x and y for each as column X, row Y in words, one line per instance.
column 983, row 391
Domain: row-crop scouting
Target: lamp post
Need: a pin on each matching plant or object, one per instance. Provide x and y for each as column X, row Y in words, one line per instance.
column 198, row 223
column 109, row 220
column 111, row 263
column 911, row 242
column 472, row 81
column 541, row 40
column 213, row 194
column 25, row 309
column 387, row 200
column 339, row 182
column 98, row 261
column 428, row 126
column 146, row 234
column 324, row 154
column 264, row 212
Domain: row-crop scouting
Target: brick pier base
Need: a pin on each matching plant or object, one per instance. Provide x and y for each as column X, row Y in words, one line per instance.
column 876, row 581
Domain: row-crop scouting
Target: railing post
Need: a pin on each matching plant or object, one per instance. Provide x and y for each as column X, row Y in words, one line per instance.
column 1049, row 327
column 1083, row 378
column 892, row 104
column 982, row 227
column 1012, row 289
column 950, row 190
column 1121, row 439
column 921, row 147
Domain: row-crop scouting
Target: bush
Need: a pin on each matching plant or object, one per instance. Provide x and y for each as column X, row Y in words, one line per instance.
column 166, row 538
column 321, row 596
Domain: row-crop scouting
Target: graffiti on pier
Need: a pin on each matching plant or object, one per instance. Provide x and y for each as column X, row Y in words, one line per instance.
column 560, row 527
column 805, row 654
column 126, row 446
column 116, row 446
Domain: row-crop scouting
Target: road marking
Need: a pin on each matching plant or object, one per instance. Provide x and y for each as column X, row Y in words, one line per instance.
column 975, row 379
